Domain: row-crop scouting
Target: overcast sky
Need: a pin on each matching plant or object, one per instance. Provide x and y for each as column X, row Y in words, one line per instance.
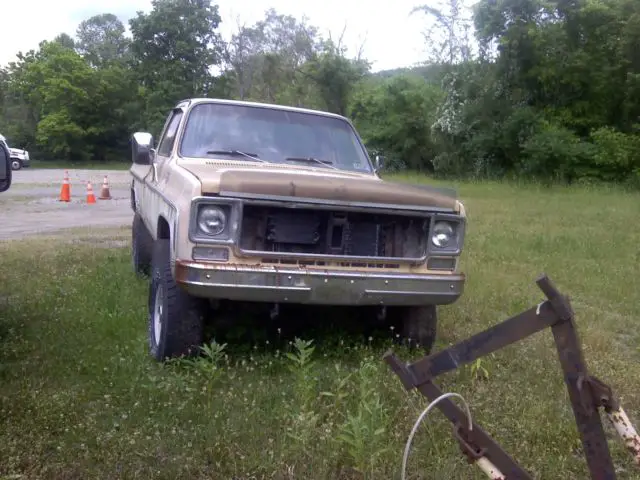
column 392, row 36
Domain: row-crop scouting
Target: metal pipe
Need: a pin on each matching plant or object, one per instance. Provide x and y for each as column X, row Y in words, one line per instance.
column 490, row 469
column 625, row 429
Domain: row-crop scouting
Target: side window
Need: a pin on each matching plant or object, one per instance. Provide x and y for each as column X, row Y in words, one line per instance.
column 169, row 138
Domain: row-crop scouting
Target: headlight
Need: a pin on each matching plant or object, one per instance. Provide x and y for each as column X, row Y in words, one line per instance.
column 442, row 234
column 211, row 220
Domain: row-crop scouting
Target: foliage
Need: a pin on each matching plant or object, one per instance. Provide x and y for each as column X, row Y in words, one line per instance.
column 101, row 40
column 395, row 115
column 617, row 155
column 555, row 151
column 548, row 89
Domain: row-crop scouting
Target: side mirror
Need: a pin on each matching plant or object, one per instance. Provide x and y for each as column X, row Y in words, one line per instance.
column 379, row 162
column 5, row 168
column 142, row 148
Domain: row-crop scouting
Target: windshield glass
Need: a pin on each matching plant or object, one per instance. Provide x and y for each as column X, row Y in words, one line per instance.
column 273, row 135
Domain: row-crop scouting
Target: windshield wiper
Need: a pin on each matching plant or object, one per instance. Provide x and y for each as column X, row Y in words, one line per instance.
column 327, row 163
column 237, row 153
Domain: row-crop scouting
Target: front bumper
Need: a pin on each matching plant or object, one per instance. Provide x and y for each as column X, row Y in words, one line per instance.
column 299, row 285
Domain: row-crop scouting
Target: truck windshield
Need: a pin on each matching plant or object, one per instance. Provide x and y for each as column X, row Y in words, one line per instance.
column 273, row 135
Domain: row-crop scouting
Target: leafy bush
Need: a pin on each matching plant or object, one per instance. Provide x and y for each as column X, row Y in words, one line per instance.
column 617, row 155
column 491, row 148
column 555, row 152
column 394, row 117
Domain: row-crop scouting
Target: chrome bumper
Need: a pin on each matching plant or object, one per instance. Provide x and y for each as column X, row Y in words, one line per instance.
column 297, row 285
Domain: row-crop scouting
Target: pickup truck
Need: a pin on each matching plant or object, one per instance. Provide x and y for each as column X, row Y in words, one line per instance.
column 243, row 202
column 19, row 157
column 5, row 168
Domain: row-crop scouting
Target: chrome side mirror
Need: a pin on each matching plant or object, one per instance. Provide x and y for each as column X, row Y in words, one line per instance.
column 142, row 151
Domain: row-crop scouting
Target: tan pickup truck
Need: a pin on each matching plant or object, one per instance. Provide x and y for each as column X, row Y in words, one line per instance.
column 250, row 202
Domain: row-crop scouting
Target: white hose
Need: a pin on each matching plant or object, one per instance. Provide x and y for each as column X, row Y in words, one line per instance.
column 421, row 417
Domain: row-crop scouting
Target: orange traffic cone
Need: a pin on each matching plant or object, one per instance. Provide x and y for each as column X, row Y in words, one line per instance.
column 104, row 193
column 65, row 191
column 91, row 198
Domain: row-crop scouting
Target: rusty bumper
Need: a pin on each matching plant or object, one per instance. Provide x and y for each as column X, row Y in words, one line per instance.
column 326, row 287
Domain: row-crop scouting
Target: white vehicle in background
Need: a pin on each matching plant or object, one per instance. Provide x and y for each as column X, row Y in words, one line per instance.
column 19, row 157
column 5, row 168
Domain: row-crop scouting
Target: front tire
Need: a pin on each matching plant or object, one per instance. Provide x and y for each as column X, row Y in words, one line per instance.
column 417, row 325
column 16, row 164
column 176, row 319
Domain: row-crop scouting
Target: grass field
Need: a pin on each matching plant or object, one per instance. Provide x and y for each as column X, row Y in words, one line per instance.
column 125, row 164
column 80, row 398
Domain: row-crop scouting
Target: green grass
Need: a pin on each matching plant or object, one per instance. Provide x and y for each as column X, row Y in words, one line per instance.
column 110, row 165
column 80, row 398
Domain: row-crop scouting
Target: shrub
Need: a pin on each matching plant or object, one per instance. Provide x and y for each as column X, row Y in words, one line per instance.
column 555, row 152
column 616, row 154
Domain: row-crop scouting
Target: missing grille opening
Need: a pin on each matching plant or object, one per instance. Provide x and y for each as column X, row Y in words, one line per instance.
column 324, row 232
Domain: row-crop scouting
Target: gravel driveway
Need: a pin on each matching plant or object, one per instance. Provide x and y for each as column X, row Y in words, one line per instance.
column 31, row 204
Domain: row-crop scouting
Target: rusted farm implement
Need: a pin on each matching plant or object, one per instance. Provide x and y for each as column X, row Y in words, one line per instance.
column 586, row 393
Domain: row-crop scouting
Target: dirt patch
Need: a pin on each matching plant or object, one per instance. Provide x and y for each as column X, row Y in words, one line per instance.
column 31, row 206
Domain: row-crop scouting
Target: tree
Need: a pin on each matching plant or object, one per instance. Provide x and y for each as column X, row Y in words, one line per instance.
column 448, row 36
column 58, row 84
column 554, row 91
column 394, row 116
column 335, row 76
column 266, row 60
column 101, row 40
column 177, row 42
column 241, row 55
column 65, row 40
column 173, row 50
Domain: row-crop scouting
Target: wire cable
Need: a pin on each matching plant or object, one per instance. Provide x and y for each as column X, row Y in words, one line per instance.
column 422, row 416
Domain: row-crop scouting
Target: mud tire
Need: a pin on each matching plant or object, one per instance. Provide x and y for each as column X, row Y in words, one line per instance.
column 417, row 325
column 176, row 319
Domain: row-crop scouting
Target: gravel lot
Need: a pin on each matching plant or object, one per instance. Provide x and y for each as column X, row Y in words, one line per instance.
column 31, row 205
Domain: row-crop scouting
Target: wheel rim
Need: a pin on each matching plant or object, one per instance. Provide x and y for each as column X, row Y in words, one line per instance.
column 157, row 314
column 15, row 164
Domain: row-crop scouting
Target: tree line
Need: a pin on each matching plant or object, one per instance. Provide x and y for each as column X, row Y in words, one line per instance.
column 546, row 89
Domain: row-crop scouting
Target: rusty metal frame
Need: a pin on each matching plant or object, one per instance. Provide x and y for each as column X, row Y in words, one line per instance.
column 586, row 392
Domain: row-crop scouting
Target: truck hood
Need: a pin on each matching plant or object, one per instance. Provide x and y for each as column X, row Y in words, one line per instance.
column 327, row 185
